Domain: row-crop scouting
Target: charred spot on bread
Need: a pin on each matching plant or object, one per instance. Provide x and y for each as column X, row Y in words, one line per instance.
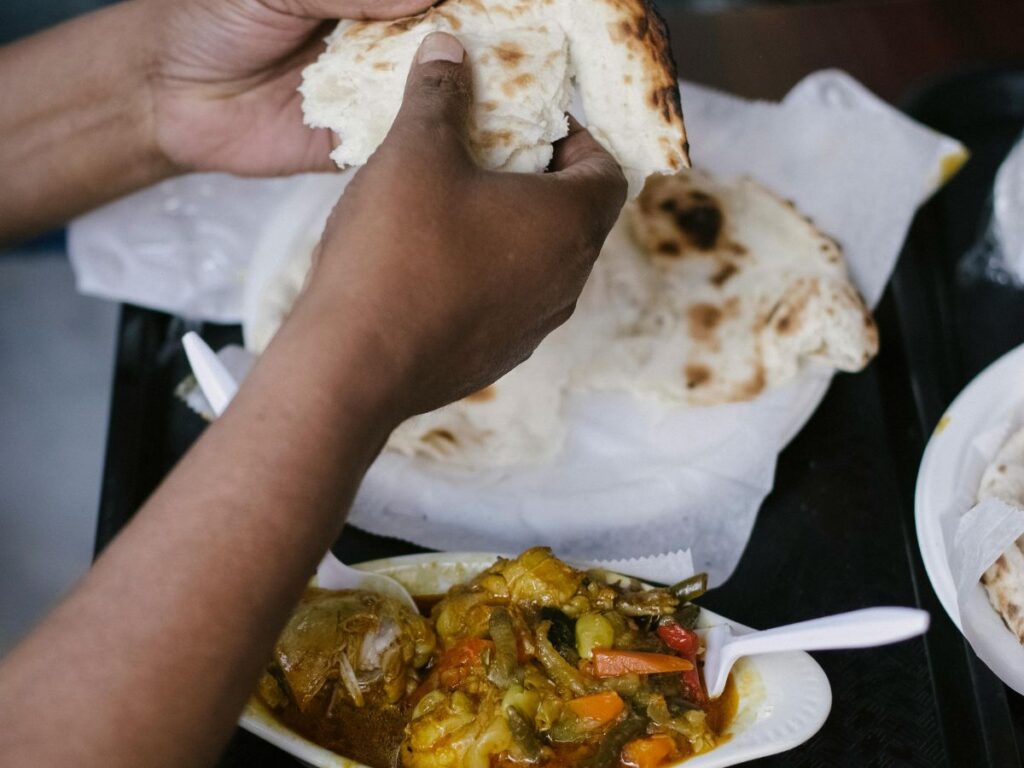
column 703, row 319
column 701, row 222
column 696, row 375
column 489, row 139
column 516, row 83
column 509, row 54
column 724, row 274
column 753, row 386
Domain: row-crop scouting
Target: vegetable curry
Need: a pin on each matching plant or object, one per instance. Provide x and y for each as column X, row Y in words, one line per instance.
column 532, row 663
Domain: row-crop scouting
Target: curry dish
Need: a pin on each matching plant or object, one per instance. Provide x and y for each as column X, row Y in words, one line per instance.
column 532, row 663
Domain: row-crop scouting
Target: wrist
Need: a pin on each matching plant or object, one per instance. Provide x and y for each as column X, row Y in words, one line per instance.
column 139, row 18
column 343, row 362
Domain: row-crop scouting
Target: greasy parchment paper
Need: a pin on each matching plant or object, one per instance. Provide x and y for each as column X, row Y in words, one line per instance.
column 637, row 479
column 975, row 535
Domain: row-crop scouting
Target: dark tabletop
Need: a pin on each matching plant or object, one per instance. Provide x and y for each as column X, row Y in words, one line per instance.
column 837, row 531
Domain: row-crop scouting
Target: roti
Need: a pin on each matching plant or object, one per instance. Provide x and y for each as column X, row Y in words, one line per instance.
column 738, row 292
column 706, row 292
column 525, row 55
column 1004, row 580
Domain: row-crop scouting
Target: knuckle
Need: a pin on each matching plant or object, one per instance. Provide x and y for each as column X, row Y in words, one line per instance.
column 443, row 80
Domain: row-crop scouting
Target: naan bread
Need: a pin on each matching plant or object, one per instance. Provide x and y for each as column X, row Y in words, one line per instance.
column 524, row 55
column 516, row 420
column 706, row 292
column 738, row 292
column 1004, row 581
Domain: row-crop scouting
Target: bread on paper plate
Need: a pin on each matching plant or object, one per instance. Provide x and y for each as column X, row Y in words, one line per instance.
column 526, row 55
column 707, row 291
column 1004, row 580
column 722, row 290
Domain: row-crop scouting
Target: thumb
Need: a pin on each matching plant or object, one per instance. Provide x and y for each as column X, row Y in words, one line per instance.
column 438, row 94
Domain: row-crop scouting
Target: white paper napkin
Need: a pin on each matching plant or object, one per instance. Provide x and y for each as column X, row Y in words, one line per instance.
column 636, row 479
column 974, row 540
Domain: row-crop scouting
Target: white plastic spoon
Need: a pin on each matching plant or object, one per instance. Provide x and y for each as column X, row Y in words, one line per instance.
column 219, row 386
column 857, row 629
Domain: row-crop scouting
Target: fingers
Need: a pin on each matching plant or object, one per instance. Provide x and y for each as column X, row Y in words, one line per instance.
column 435, row 109
column 581, row 163
column 350, row 9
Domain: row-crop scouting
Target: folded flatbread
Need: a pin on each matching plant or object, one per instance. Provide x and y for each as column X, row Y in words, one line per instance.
column 525, row 56
column 1004, row 580
column 706, row 292
column 723, row 290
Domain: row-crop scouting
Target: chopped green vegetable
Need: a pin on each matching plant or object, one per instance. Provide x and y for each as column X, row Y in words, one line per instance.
column 523, row 734
column 520, row 698
column 566, row 677
column 691, row 588
column 593, row 631
column 502, row 670
column 687, row 615
column 609, row 752
column 568, row 729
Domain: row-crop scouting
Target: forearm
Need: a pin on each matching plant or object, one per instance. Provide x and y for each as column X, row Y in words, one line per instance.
column 76, row 119
column 151, row 658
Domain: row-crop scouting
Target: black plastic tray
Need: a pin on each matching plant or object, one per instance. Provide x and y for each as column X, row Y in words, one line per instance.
column 837, row 531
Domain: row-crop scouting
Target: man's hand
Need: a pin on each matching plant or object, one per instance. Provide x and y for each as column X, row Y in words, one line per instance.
column 122, row 98
column 433, row 279
column 225, row 74
column 454, row 274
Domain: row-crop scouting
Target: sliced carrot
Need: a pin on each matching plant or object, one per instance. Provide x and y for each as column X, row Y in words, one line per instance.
column 457, row 663
column 612, row 663
column 649, row 752
column 597, row 708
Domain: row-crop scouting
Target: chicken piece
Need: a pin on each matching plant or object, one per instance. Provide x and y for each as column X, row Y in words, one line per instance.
column 534, row 579
column 360, row 646
column 456, row 730
column 539, row 578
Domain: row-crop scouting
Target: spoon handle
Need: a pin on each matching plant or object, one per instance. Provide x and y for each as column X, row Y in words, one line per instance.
column 215, row 381
column 856, row 629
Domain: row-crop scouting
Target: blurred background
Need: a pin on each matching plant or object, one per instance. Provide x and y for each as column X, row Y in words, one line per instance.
column 56, row 347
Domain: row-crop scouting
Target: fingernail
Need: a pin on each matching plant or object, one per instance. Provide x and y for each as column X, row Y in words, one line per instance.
column 440, row 46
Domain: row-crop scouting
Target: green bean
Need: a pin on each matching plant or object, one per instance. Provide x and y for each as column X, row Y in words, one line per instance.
column 609, row 752
column 566, row 678
column 522, row 732
column 502, row 669
column 691, row 588
column 568, row 729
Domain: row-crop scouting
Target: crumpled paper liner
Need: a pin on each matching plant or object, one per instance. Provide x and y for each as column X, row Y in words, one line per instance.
column 636, row 479
column 974, row 540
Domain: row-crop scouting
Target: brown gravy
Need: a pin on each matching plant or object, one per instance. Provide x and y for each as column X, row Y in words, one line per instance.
column 369, row 735
column 374, row 736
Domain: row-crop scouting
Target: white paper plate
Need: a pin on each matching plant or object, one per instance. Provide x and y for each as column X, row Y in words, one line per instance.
column 978, row 407
column 784, row 698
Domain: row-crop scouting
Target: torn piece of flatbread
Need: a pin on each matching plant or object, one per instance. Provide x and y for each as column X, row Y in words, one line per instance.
column 524, row 55
column 739, row 293
column 1004, row 580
